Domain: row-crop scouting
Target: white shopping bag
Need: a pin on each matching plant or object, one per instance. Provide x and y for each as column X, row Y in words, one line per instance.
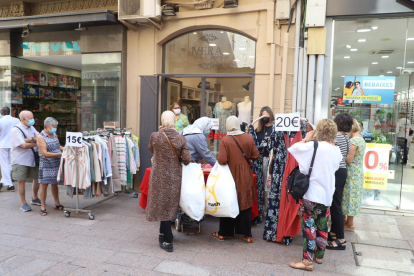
column 221, row 194
column 193, row 191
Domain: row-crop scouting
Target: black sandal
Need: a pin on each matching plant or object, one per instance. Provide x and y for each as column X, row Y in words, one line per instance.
column 43, row 213
column 331, row 237
column 339, row 245
column 59, row 207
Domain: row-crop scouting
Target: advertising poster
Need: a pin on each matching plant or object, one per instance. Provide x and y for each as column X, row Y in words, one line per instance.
column 42, row 78
column 17, row 97
column 62, row 81
column 376, row 160
column 369, row 90
column 31, row 76
column 52, row 80
column 30, row 92
column 72, row 82
column 340, row 101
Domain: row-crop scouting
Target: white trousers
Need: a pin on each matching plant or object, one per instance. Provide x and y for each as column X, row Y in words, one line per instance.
column 6, row 167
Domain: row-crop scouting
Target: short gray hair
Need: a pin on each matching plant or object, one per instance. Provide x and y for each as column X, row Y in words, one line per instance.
column 50, row 121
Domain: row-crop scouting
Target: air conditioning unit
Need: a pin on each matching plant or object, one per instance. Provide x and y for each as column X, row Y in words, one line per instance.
column 138, row 11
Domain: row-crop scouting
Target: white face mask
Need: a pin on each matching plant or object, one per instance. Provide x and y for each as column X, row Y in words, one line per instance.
column 177, row 111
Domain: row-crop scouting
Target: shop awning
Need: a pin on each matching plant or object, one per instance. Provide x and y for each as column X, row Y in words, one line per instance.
column 61, row 21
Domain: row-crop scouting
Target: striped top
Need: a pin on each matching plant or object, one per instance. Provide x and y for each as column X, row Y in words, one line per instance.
column 342, row 141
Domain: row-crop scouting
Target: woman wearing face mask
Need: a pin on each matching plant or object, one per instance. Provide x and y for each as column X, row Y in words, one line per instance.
column 50, row 152
column 181, row 121
column 262, row 136
column 197, row 142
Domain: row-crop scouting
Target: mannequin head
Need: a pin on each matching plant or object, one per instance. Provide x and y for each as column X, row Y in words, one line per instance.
column 224, row 99
column 247, row 99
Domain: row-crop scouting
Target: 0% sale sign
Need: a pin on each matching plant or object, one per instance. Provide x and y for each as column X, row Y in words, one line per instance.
column 376, row 160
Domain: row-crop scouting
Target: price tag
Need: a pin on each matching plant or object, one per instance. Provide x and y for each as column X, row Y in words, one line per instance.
column 74, row 139
column 376, row 172
column 216, row 123
column 287, row 122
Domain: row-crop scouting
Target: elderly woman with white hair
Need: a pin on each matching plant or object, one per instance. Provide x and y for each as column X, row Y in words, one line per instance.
column 50, row 152
column 237, row 150
column 170, row 150
column 197, row 142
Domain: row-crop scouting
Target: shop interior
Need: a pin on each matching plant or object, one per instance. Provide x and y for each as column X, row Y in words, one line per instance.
column 80, row 91
column 379, row 47
column 205, row 53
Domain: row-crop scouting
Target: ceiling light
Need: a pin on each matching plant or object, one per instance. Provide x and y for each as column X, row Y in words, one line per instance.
column 374, row 27
column 385, row 56
column 347, row 57
column 170, row 9
column 342, row 76
column 222, row 32
column 246, row 86
column 362, row 40
column 389, row 72
column 410, row 62
column 26, row 32
column 242, row 49
column 348, row 46
column 364, row 29
column 399, row 68
column 80, row 28
column 410, row 38
column 195, row 33
column 212, row 45
column 375, row 62
column 237, row 60
column 354, row 50
column 226, row 54
column 231, row 4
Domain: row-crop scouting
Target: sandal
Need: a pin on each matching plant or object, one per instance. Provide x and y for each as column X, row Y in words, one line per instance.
column 339, row 245
column 302, row 265
column 331, row 237
column 43, row 213
column 59, row 207
column 217, row 236
column 248, row 239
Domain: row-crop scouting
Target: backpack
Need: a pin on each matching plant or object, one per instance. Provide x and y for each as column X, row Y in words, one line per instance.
column 297, row 182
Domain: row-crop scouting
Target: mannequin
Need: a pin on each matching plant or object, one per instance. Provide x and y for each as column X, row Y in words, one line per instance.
column 223, row 99
column 245, row 110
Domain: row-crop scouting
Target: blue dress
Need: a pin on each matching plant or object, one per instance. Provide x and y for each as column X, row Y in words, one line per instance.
column 49, row 167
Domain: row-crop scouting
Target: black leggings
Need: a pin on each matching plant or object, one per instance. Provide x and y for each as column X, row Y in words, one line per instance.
column 337, row 219
column 242, row 224
column 165, row 228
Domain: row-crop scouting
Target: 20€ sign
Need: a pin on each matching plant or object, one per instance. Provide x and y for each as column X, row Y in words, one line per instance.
column 376, row 160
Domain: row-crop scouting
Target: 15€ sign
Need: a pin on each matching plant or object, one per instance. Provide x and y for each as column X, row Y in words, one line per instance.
column 74, row 139
column 376, row 160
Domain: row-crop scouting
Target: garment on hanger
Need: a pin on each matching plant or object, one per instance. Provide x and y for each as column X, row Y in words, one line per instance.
column 245, row 110
column 222, row 112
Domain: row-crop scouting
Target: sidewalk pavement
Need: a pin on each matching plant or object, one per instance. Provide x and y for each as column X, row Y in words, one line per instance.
column 120, row 241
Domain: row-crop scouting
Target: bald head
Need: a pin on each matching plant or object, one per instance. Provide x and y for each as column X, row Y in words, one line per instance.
column 25, row 116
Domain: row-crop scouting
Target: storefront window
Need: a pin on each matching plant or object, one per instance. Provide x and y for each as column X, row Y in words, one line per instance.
column 210, row 51
column 372, row 80
column 100, row 95
column 5, row 81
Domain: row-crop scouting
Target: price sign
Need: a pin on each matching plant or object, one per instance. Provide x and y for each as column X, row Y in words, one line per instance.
column 216, row 123
column 376, row 160
column 287, row 122
column 74, row 139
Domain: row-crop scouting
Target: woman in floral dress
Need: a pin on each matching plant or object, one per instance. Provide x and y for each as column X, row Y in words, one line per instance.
column 181, row 121
column 352, row 198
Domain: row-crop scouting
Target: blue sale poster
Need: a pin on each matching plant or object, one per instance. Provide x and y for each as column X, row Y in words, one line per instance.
column 369, row 90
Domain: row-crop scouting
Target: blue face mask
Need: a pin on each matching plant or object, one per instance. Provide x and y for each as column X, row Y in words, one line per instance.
column 53, row 130
column 31, row 122
column 207, row 133
column 1, row 116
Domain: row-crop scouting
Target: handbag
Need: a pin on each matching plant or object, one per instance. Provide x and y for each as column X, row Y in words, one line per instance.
column 171, row 146
column 297, row 182
column 35, row 153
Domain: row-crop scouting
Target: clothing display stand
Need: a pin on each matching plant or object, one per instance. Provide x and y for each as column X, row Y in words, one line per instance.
column 67, row 211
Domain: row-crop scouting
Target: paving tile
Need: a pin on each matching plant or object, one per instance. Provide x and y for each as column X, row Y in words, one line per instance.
column 220, row 260
column 393, row 234
column 39, row 254
column 31, row 268
column 271, row 269
column 15, row 241
column 386, row 242
column 180, row 268
column 385, row 258
column 84, row 271
column 135, row 260
column 407, row 221
column 13, row 262
column 60, row 269
column 362, row 271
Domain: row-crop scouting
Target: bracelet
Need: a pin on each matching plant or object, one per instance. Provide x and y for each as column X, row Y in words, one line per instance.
column 304, row 141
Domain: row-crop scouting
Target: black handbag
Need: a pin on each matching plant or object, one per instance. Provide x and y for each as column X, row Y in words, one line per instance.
column 35, row 153
column 297, row 182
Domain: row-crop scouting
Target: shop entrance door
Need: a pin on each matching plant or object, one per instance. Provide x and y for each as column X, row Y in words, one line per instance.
column 216, row 96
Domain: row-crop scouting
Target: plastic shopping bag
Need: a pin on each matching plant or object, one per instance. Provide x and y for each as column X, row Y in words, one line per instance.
column 193, row 191
column 221, row 194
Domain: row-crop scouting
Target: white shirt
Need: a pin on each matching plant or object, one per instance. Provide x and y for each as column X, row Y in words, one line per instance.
column 6, row 125
column 403, row 128
column 322, row 180
column 21, row 156
column 245, row 112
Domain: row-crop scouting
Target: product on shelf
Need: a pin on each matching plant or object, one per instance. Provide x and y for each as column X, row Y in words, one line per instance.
column 31, row 92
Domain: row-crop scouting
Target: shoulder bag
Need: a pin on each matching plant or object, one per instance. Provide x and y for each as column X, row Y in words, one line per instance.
column 171, row 146
column 244, row 155
column 35, row 153
column 297, row 182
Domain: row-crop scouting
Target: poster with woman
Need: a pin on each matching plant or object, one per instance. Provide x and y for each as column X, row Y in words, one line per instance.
column 62, row 81
column 369, row 89
column 42, row 78
column 31, row 76
column 52, row 80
